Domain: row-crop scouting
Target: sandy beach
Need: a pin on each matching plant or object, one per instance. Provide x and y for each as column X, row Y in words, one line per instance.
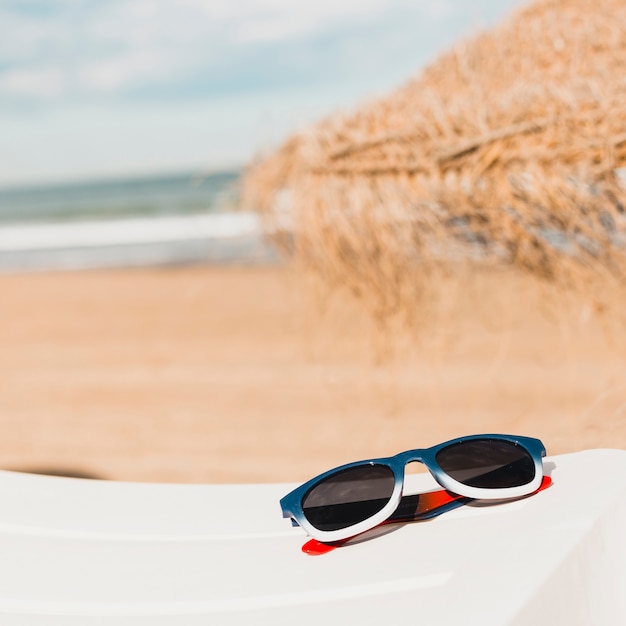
column 240, row 374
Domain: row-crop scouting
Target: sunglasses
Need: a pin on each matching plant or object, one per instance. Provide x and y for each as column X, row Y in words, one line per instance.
column 356, row 497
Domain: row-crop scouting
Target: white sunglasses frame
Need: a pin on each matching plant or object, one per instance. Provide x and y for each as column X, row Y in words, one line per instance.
column 291, row 504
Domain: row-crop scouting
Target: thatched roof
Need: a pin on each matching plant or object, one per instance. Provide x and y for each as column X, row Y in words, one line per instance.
column 506, row 150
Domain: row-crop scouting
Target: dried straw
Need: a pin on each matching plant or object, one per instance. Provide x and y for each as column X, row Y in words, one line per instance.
column 506, row 151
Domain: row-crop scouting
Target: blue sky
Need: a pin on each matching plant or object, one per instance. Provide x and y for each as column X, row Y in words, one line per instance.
column 105, row 88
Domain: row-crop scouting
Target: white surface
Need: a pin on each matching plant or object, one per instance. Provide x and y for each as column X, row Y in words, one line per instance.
column 87, row 552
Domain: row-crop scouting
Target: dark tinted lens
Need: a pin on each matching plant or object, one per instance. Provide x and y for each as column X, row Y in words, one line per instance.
column 487, row 463
column 348, row 497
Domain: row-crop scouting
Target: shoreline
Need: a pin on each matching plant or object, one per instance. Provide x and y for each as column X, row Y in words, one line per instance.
column 229, row 237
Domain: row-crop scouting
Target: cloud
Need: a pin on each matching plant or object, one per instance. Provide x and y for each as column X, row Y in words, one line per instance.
column 44, row 83
column 91, row 87
column 83, row 50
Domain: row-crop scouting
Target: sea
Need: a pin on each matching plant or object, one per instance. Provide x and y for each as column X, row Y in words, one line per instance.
column 176, row 194
column 175, row 219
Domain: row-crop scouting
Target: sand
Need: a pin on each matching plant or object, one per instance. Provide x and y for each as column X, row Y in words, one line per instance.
column 239, row 374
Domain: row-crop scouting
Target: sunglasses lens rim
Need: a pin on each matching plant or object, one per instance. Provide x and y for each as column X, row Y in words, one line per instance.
column 349, row 496
column 487, row 463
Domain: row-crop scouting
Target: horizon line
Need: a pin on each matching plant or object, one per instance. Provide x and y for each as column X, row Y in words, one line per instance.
column 109, row 178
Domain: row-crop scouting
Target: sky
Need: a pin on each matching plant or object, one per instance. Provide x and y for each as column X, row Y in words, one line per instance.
column 93, row 89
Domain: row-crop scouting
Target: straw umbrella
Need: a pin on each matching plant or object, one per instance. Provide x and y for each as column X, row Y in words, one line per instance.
column 507, row 151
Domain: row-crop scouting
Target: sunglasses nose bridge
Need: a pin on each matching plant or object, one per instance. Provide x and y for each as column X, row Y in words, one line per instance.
column 411, row 456
column 404, row 460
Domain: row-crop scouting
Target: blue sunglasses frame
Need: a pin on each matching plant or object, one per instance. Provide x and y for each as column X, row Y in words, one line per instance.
column 292, row 506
